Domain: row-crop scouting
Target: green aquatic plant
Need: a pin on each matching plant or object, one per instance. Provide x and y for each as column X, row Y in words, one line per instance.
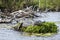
column 44, row 27
column 33, row 29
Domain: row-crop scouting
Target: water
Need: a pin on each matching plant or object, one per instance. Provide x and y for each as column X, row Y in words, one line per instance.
column 9, row 34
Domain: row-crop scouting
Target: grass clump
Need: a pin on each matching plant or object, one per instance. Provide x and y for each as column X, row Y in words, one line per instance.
column 44, row 27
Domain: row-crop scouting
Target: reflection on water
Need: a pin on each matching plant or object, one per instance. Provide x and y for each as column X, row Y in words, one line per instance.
column 8, row 34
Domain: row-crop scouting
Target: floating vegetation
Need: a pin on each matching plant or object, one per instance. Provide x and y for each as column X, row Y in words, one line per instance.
column 41, row 29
